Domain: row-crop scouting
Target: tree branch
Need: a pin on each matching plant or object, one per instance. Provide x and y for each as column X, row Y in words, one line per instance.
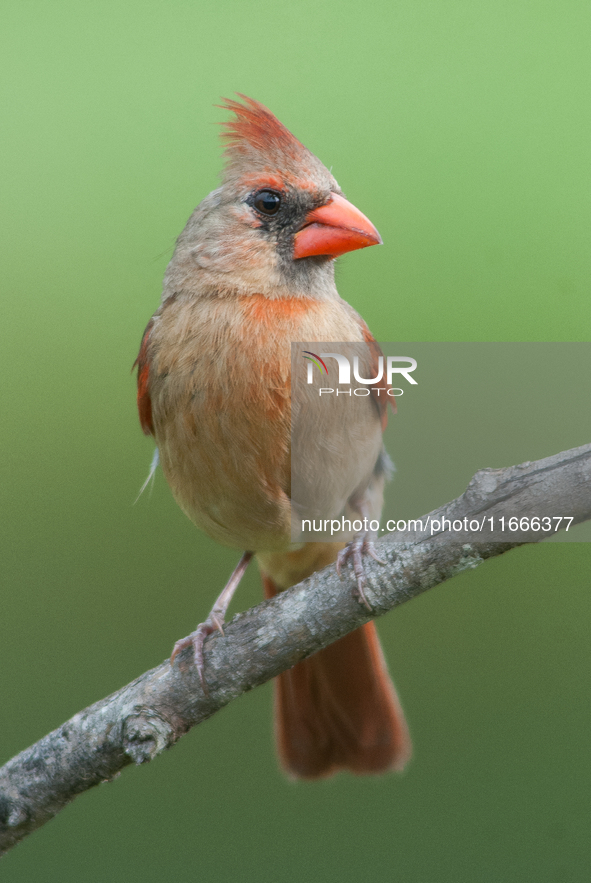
column 139, row 721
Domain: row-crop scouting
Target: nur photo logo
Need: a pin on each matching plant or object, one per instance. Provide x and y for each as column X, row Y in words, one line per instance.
column 387, row 366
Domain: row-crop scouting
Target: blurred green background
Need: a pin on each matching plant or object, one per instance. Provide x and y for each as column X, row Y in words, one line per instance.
column 462, row 129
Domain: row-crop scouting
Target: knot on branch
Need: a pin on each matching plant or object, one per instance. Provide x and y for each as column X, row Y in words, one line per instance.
column 146, row 734
column 11, row 814
column 484, row 483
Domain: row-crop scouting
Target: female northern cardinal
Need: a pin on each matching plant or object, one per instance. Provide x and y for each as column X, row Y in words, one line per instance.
column 253, row 271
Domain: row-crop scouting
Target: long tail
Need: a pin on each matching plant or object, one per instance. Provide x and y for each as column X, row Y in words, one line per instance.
column 338, row 710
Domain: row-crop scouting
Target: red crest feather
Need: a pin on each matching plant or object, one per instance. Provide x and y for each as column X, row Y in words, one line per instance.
column 255, row 126
column 255, row 139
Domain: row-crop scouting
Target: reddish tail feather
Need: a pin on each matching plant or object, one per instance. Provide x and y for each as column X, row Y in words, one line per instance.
column 338, row 710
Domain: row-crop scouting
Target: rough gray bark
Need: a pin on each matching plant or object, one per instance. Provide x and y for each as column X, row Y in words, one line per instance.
column 139, row 721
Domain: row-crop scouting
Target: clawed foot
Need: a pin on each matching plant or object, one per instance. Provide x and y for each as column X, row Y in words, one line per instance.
column 213, row 623
column 353, row 554
column 196, row 640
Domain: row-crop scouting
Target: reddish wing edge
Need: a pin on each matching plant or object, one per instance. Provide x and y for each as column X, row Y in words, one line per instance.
column 379, row 390
column 144, row 404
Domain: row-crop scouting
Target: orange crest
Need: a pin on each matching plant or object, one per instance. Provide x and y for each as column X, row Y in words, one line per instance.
column 255, row 127
column 256, row 141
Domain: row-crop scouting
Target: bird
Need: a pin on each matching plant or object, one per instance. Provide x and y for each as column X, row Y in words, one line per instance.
column 252, row 272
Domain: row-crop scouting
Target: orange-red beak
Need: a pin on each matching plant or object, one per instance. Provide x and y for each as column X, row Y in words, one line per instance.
column 334, row 229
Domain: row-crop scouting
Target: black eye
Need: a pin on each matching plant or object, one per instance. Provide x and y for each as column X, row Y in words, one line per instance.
column 267, row 202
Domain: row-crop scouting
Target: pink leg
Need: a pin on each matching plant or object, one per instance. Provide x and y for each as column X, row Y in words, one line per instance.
column 215, row 620
column 361, row 544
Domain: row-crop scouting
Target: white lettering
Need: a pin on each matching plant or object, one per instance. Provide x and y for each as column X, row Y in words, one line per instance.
column 369, row 379
column 343, row 363
column 404, row 371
